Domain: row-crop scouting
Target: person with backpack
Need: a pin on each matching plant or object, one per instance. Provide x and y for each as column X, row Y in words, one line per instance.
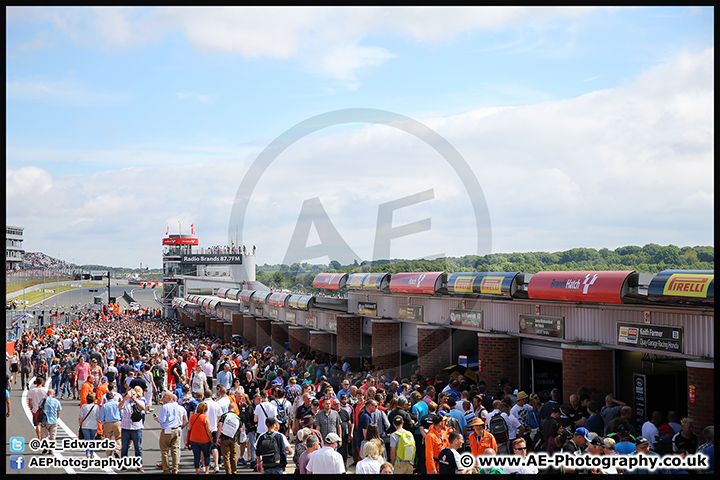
column 230, row 427
column 402, row 448
column 502, row 426
column 284, row 412
column 271, row 449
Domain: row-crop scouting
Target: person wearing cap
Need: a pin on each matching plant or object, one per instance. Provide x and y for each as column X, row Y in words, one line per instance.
column 435, row 441
column 552, row 418
column 327, row 460
column 579, row 441
column 642, row 444
column 480, row 439
column 282, row 445
column 625, row 443
column 400, row 466
column 521, row 410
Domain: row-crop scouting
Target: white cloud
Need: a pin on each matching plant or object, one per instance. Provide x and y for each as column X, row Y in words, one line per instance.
column 633, row 164
column 327, row 38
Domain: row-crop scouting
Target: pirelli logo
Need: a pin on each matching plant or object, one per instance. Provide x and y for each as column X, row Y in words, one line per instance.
column 688, row 285
column 464, row 284
column 491, row 285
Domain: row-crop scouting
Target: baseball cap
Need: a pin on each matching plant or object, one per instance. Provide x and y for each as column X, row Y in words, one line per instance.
column 331, row 438
column 583, row 432
column 597, row 441
column 641, row 441
column 398, row 419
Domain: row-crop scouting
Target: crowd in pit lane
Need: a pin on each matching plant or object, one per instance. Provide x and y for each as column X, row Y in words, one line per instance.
column 243, row 407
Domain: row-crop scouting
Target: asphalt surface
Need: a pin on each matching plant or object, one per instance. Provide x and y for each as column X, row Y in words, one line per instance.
column 19, row 431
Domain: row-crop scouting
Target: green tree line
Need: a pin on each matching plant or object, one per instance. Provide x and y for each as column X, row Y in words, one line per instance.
column 651, row 258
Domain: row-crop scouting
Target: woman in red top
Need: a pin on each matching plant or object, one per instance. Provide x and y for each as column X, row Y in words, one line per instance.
column 200, row 437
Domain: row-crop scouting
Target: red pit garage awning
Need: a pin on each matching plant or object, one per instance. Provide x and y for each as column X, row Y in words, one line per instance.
column 580, row 286
column 422, row 282
column 278, row 299
column 330, row 281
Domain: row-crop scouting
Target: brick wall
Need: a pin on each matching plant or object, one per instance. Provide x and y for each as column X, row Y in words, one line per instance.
column 499, row 358
column 701, row 375
column 320, row 342
column 349, row 339
column 262, row 332
column 434, row 349
column 249, row 329
column 279, row 335
column 386, row 344
column 587, row 366
column 237, row 324
column 298, row 337
column 227, row 332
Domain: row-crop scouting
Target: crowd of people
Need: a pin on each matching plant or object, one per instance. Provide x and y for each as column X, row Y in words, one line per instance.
column 239, row 406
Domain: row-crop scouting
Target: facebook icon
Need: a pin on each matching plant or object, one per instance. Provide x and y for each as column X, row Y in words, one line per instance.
column 17, row 462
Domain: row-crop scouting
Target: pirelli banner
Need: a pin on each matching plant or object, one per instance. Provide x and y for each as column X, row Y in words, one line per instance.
column 482, row 283
column 683, row 286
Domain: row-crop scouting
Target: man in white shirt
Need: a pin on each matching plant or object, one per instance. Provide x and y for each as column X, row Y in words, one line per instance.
column 263, row 411
column 35, row 396
column 650, row 428
column 521, row 410
column 327, row 459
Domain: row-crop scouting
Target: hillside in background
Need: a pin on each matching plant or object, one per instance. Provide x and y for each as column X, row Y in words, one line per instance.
column 651, row 258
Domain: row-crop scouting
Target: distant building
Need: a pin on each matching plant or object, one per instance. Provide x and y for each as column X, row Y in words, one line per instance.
column 13, row 247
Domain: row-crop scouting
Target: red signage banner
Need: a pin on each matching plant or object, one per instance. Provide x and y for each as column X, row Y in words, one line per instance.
column 180, row 241
column 579, row 286
column 418, row 282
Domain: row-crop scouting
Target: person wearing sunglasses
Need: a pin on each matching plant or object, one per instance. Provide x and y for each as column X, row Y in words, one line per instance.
column 519, row 447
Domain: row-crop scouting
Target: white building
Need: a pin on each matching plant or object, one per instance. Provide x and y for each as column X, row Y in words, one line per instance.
column 13, row 247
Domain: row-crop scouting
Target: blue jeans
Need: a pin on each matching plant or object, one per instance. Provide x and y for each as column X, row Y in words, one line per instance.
column 89, row 434
column 136, row 437
column 273, row 471
column 55, row 380
column 252, row 437
column 197, row 449
column 65, row 389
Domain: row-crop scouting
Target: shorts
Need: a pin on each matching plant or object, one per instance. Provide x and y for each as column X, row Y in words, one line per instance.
column 35, row 422
column 214, row 443
column 51, row 428
column 14, row 368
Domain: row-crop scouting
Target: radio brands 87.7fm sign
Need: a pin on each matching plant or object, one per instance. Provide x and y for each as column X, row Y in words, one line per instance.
column 312, row 213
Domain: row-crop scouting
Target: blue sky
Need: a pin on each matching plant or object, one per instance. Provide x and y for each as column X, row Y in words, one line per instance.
column 585, row 127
